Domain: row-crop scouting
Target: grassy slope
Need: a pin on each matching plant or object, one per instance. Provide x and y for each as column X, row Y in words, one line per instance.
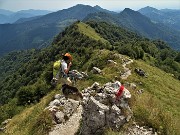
column 158, row 106
column 26, row 123
column 90, row 32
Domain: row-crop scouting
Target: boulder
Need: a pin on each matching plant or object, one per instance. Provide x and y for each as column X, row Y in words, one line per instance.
column 5, row 122
column 59, row 116
column 55, row 102
column 97, row 116
column 96, row 70
column 58, row 96
column 112, row 62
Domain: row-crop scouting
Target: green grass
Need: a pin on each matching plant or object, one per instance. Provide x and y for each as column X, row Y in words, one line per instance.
column 157, row 107
column 90, row 32
column 33, row 120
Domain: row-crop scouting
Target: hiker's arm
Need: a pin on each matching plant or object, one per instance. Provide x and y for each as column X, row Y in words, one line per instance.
column 68, row 68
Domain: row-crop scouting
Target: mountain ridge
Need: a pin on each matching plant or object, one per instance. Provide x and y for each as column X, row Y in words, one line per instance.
column 141, row 24
column 30, row 85
column 169, row 18
column 38, row 32
column 45, row 27
column 11, row 17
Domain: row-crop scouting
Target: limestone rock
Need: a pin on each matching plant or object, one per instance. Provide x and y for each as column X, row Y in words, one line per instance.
column 97, row 116
column 59, row 117
column 112, row 62
column 6, row 122
column 96, row 70
column 55, row 102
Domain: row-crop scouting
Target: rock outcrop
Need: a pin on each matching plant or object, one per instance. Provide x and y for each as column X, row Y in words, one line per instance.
column 3, row 124
column 98, row 111
column 62, row 108
column 140, row 130
column 101, row 110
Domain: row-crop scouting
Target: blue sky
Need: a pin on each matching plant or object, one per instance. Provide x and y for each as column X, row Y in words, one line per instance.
column 114, row 5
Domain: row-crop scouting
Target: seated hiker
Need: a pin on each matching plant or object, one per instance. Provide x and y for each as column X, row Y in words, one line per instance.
column 66, row 63
column 61, row 69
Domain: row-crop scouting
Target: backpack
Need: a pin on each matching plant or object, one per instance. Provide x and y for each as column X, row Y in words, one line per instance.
column 56, row 68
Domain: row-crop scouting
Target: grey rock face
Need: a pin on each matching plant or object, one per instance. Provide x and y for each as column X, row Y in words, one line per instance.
column 62, row 108
column 101, row 110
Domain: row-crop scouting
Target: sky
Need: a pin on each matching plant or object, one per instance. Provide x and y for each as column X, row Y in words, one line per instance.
column 113, row 5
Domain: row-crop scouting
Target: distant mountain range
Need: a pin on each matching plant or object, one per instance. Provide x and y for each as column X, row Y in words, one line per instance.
column 168, row 17
column 38, row 31
column 7, row 16
column 135, row 21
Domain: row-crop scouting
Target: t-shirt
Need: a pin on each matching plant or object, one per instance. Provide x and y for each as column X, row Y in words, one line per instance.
column 63, row 67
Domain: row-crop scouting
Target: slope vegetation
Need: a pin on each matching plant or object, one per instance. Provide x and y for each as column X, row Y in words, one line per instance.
column 25, row 93
column 140, row 24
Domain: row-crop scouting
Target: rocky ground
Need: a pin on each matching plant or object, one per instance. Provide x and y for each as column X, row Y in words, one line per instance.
column 71, row 126
column 98, row 110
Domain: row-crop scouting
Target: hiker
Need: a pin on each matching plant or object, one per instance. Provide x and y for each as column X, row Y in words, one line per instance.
column 61, row 69
column 66, row 63
column 67, row 76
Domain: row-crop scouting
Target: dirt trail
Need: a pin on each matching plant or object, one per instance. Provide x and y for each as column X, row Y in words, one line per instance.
column 127, row 71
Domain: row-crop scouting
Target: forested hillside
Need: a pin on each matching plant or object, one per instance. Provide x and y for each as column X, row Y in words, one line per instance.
column 39, row 32
column 135, row 21
column 29, row 80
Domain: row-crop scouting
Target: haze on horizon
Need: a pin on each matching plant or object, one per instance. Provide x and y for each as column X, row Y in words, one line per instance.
column 113, row 5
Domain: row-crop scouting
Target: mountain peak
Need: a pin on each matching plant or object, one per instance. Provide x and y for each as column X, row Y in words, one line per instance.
column 97, row 6
column 81, row 5
column 128, row 10
column 148, row 9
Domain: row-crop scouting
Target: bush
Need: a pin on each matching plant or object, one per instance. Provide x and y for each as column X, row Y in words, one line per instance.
column 32, row 93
